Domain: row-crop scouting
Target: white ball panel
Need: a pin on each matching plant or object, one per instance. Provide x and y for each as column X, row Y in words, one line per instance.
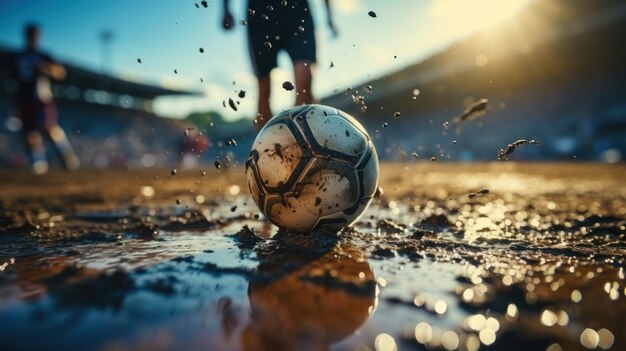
column 279, row 154
column 354, row 122
column 336, row 133
column 293, row 214
column 350, row 219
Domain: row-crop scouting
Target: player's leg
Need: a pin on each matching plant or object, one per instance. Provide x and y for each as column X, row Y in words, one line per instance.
column 304, row 79
column 63, row 146
column 28, row 112
column 301, row 46
column 264, row 109
column 263, row 58
column 36, row 151
column 59, row 138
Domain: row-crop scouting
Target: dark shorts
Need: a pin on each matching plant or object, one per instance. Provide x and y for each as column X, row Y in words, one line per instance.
column 289, row 28
column 36, row 115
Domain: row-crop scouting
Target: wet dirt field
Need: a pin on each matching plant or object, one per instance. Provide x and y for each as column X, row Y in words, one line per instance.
column 117, row 260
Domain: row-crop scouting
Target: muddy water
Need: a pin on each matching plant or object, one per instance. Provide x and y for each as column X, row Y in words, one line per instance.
column 536, row 263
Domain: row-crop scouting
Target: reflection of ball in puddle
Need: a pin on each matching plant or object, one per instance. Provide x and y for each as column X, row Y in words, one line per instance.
column 312, row 166
column 316, row 305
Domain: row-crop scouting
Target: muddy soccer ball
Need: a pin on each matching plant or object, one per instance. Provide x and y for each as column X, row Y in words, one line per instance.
column 312, row 167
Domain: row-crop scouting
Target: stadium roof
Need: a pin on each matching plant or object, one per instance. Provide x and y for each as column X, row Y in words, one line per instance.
column 87, row 79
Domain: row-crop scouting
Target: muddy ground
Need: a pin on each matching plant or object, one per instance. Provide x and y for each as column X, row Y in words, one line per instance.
column 143, row 259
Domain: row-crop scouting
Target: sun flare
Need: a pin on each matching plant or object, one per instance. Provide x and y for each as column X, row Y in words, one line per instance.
column 464, row 17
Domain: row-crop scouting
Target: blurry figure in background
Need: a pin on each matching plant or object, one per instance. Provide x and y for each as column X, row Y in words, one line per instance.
column 193, row 145
column 275, row 25
column 35, row 105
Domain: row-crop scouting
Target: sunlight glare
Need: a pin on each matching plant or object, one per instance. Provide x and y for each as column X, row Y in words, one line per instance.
column 464, row 17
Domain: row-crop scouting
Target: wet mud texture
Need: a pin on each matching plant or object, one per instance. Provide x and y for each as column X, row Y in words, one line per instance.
column 164, row 260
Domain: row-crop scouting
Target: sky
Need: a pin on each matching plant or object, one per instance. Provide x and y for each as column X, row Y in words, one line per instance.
column 167, row 35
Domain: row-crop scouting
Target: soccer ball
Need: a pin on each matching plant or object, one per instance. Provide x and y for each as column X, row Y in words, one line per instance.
column 312, row 167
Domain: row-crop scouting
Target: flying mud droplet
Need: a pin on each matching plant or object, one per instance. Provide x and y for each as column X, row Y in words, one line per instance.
column 446, row 124
column 483, row 191
column 372, row 14
column 175, row 71
column 232, row 105
column 242, row 94
column 284, row 2
column 204, row 4
column 287, row 85
column 368, row 89
column 197, row 6
column 433, row 158
column 138, row 60
column 243, row 22
column 201, row 50
column 385, row 125
column 332, row 64
column 479, row 108
column 379, row 192
column 359, row 100
column 267, row 45
column 217, row 164
column 511, row 147
column 414, row 154
column 188, row 129
column 233, row 209
column 396, row 115
column 173, row 172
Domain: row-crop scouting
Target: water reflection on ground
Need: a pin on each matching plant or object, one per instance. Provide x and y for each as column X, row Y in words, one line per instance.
column 536, row 264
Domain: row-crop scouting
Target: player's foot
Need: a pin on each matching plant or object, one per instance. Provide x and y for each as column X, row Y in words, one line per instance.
column 71, row 161
column 39, row 167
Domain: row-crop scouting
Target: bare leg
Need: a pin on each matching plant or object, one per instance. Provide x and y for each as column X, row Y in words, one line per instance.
column 37, row 152
column 264, row 110
column 304, row 78
column 57, row 135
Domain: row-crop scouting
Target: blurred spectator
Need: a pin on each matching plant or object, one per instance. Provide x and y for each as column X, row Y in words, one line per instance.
column 193, row 145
